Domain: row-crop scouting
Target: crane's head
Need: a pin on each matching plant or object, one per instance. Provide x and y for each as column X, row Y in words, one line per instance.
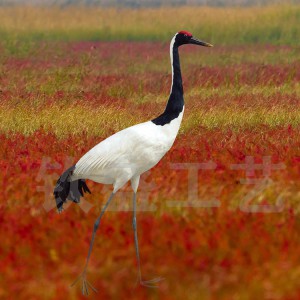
column 184, row 37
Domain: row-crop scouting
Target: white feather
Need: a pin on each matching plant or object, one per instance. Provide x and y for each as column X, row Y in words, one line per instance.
column 171, row 58
column 127, row 153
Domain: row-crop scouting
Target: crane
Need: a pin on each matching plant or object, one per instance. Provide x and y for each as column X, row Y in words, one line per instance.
column 126, row 155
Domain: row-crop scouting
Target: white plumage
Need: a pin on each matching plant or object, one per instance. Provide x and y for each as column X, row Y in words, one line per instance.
column 127, row 154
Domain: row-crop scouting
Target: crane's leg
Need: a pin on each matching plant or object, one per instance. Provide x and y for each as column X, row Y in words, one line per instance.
column 85, row 284
column 148, row 283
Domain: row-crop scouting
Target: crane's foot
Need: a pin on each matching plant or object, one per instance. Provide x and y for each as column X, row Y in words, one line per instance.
column 152, row 283
column 85, row 284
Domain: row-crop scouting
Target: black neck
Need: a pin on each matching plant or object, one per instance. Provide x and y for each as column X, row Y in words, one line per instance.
column 176, row 102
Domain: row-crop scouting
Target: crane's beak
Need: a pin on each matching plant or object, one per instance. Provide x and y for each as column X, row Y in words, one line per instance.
column 195, row 41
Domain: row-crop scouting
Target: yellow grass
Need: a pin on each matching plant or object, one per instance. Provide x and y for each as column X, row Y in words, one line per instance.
column 65, row 120
column 239, row 119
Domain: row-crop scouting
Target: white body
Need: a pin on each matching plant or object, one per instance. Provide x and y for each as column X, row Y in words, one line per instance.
column 127, row 154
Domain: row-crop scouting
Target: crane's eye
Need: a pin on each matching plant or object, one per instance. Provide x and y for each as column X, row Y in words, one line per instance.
column 185, row 35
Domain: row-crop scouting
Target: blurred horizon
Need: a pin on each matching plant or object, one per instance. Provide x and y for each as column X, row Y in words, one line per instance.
column 147, row 3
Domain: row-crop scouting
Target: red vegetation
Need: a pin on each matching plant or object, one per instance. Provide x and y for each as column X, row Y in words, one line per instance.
column 234, row 249
column 42, row 252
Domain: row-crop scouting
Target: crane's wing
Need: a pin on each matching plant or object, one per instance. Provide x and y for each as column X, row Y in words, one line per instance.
column 133, row 150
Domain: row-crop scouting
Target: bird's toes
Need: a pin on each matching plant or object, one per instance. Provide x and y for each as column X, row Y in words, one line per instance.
column 89, row 285
column 85, row 285
column 153, row 283
column 143, row 283
column 85, row 291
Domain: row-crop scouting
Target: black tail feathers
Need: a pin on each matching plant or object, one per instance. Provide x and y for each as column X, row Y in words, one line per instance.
column 66, row 190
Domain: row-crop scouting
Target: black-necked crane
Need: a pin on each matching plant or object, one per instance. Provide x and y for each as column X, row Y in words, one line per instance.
column 127, row 154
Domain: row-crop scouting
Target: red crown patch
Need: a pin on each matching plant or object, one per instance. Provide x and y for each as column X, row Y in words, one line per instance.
column 185, row 32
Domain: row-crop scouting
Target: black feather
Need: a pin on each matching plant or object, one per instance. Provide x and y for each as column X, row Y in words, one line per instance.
column 69, row 190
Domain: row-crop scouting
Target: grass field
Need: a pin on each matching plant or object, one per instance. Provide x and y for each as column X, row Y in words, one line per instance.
column 71, row 77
